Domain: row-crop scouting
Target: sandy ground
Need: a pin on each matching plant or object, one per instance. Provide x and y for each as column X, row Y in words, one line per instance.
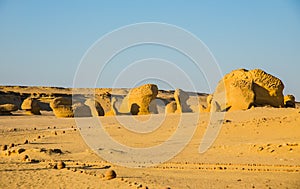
column 257, row 148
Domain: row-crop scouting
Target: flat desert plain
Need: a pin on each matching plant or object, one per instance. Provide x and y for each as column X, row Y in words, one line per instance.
column 256, row 148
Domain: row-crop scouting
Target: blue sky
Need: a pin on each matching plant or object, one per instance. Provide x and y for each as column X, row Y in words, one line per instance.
column 42, row 42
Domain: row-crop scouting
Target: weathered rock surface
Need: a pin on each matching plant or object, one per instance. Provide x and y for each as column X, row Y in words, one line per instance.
column 241, row 89
column 9, row 103
column 171, row 107
column 289, row 101
column 138, row 100
column 81, row 110
column 62, row 107
column 268, row 89
column 31, row 106
column 95, row 107
column 180, row 98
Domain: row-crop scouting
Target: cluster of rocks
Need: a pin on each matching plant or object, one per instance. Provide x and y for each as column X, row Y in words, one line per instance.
column 239, row 90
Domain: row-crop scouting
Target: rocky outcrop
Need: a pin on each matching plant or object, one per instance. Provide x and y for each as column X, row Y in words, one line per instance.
column 171, row 107
column 6, row 109
column 62, row 107
column 241, row 89
column 95, row 107
column 31, row 106
column 268, row 89
column 180, row 98
column 138, row 100
column 9, row 103
column 113, row 111
column 81, row 110
column 289, row 101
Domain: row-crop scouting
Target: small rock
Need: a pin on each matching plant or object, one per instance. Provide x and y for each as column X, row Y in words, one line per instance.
column 55, row 151
column 61, row 165
column 110, row 174
column 4, row 147
column 7, row 153
column 26, row 142
column 20, row 150
column 11, row 145
column 227, row 121
column 260, row 148
column 25, row 157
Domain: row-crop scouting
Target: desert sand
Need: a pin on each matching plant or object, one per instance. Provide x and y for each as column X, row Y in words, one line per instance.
column 256, row 148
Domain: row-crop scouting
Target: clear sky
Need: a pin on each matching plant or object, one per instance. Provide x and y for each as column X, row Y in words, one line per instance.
column 42, row 42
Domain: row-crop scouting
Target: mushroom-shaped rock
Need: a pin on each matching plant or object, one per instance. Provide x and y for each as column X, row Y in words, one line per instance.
column 289, row 101
column 181, row 97
column 95, row 107
column 138, row 100
column 171, row 107
column 31, row 106
column 62, row 107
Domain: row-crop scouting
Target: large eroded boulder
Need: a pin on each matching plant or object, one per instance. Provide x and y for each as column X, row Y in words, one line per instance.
column 62, row 107
column 9, row 103
column 31, row 106
column 138, row 100
column 241, row 89
column 268, row 89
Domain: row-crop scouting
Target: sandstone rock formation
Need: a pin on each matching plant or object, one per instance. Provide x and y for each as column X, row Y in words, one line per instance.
column 81, row 110
column 138, row 100
column 267, row 88
column 171, row 107
column 241, row 89
column 113, row 111
column 9, row 103
column 31, row 106
column 62, row 107
column 95, row 107
column 6, row 109
column 181, row 97
column 289, row 101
